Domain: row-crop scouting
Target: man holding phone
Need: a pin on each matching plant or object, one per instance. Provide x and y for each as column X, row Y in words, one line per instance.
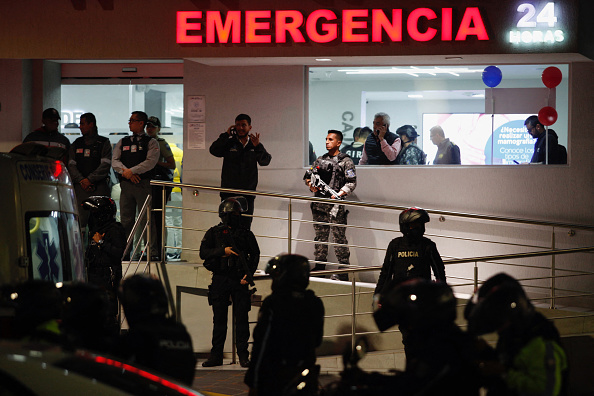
column 382, row 146
column 242, row 152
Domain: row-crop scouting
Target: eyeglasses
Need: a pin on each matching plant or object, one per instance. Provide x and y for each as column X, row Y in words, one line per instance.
column 131, row 120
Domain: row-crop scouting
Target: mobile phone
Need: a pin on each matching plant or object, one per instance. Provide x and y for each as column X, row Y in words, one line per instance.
column 233, row 131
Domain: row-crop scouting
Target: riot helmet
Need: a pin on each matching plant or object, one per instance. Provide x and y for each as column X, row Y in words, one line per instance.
column 288, row 272
column 143, row 297
column 409, row 131
column 412, row 222
column 417, row 303
column 230, row 211
column 102, row 211
column 498, row 302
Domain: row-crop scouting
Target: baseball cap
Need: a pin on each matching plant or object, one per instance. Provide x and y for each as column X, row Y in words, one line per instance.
column 154, row 121
column 51, row 114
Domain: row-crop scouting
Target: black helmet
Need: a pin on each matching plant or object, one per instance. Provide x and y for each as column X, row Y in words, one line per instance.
column 103, row 211
column 412, row 222
column 407, row 130
column 499, row 300
column 288, row 272
column 143, row 297
column 230, row 210
column 416, row 303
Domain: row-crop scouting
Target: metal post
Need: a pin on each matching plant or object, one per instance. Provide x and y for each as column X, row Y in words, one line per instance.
column 475, row 276
column 162, row 230
column 552, row 306
column 147, row 245
column 233, row 346
column 289, row 226
column 354, row 311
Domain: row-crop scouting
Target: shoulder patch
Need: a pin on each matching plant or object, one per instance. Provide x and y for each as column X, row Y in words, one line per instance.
column 350, row 173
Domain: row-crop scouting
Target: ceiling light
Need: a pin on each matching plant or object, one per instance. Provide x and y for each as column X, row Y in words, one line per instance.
column 323, row 60
column 415, row 96
column 414, row 71
column 478, row 95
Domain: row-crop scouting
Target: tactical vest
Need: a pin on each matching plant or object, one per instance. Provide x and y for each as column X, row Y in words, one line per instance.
column 410, row 261
column 88, row 157
column 134, row 153
column 373, row 149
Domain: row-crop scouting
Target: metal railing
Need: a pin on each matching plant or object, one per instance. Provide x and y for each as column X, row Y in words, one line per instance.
column 555, row 274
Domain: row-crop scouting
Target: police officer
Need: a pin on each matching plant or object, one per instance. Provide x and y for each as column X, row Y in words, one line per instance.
column 338, row 172
column 530, row 359
column 89, row 166
column 106, row 248
column 355, row 149
column 155, row 339
column 134, row 159
column 411, row 255
column 441, row 358
column 410, row 154
column 290, row 327
column 231, row 252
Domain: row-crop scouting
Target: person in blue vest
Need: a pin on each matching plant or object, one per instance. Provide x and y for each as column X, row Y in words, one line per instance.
column 382, row 146
column 89, row 165
column 134, row 159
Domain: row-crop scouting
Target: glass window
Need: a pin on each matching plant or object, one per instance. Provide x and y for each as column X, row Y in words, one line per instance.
column 55, row 246
column 487, row 124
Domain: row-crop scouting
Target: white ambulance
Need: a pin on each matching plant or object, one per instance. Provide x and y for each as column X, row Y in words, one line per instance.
column 39, row 233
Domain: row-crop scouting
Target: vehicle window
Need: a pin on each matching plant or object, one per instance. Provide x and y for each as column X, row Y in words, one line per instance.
column 54, row 246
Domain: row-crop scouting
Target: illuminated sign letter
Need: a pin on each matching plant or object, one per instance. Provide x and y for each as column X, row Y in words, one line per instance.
column 331, row 30
column 232, row 25
column 446, row 24
column 472, row 16
column 379, row 23
column 251, row 26
column 348, row 24
column 183, row 26
column 412, row 24
column 283, row 26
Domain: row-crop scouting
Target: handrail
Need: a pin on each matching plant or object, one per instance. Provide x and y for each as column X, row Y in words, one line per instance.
column 375, row 205
column 466, row 280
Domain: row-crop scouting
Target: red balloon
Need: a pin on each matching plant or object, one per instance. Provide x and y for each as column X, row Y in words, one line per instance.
column 547, row 116
column 551, row 76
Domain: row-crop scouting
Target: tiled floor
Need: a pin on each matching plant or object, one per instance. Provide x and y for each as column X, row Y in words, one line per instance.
column 227, row 380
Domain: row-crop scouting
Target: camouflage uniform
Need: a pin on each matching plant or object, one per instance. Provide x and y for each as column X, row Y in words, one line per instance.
column 339, row 173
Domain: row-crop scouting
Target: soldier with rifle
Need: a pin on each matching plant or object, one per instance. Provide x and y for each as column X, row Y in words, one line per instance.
column 331, row 176
column 231, row 252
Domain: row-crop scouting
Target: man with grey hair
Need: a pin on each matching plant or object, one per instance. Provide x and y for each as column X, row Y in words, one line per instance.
column 447, row 151
column 382, row 146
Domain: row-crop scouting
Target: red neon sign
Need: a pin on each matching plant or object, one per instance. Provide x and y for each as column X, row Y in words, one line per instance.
column 324, row 26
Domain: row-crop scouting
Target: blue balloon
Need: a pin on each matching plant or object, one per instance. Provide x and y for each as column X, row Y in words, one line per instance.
column 492, row 76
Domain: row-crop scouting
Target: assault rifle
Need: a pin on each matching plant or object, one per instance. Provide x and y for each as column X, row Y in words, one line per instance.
column 243, row 262
column 317, row 182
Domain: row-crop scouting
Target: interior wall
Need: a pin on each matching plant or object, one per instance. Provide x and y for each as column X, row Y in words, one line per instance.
column 275, row 98
column 11, row 94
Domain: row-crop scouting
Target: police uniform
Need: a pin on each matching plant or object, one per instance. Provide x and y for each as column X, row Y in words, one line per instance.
column 161, row 344
column 164, row 174
column 290, row 328
column 354, row 150
column 139, row 153
column 408, row 258
column 104, row 261
column 227, row 275
column 90, row 158
column 339, row 173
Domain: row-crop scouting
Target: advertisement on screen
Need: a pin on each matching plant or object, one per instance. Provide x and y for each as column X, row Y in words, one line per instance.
column 483, row 139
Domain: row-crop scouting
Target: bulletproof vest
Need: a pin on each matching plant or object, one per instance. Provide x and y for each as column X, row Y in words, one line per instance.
column 134, row 150
column 375, row 155
column 226, row 236
column 411, row 261
column 88, row 157
column 325, row 169
column 162, row 173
